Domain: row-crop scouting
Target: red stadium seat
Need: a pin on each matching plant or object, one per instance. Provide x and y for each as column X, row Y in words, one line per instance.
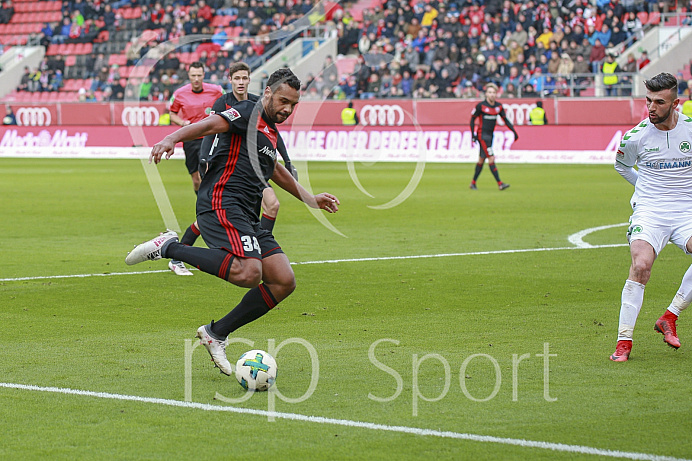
column 70, row 60
column 654, row 18
column 102, row 37
column 69, row 84
column 35, row 27
column 208, row 47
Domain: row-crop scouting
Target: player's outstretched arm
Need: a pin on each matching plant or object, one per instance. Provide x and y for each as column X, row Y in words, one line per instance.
column 283, row 178
column 211, row 125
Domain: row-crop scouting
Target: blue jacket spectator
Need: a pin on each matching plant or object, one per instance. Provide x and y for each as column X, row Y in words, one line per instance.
column 220, row 37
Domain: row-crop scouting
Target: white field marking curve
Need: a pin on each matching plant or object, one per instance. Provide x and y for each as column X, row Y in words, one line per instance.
column 576, row 239
column 349, row 423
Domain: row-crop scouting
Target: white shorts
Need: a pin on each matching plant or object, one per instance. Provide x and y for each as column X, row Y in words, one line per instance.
column 659, row 229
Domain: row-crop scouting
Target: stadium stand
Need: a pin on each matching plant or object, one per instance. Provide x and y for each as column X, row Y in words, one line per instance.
column 453, row 49
column 93, row 47
column 440, row 49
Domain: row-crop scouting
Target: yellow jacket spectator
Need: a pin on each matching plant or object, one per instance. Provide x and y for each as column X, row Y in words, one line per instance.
column 610, row 79
column 165, row 119
column 349, row 117
column 687, row 107
column 428, row 16
column 545, row 37
column 537, row 115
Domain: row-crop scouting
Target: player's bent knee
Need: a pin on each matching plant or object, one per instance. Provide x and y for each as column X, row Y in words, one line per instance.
column 641, row 268
column 247, row 275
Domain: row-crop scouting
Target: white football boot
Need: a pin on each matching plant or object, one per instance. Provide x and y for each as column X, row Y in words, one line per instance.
column 151, row 250
column 179, row 268
column 216, row 349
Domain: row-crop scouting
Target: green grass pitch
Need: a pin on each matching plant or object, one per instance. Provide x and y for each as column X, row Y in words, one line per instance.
column 452, row 342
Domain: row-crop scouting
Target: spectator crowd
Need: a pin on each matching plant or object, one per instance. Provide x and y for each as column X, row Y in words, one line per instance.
column 169, row 23
column 403, row 48
column 535, row 47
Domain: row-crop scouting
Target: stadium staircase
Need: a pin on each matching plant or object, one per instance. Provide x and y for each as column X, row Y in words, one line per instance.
column 667, row 43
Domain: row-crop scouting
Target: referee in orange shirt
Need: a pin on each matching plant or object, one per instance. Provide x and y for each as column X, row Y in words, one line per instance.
column 191, row 103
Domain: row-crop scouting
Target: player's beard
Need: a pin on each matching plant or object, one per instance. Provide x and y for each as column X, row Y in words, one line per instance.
column 273, row 115
column 660, row 119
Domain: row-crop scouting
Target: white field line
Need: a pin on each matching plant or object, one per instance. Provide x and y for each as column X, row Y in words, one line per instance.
column 327, row 261
column 348, row 423
column 576, row 239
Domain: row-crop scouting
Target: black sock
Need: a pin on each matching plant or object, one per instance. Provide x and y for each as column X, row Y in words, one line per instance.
column 493, row 170
column 256, row 302
column 211, row 261
column 190, row 235
column 267, row 222
column 479, row 168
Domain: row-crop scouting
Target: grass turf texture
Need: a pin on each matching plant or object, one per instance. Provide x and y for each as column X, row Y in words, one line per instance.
column 126, row 333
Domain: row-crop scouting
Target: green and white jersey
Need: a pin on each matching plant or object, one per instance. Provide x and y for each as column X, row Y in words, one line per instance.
column 664, row 162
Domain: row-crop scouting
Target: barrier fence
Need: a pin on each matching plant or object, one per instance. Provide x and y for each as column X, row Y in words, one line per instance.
column 372, row 112
column 405, row 143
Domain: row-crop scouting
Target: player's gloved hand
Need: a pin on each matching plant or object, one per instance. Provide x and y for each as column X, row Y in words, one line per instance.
column 475, row 138
column 291, row 169
column 516, row 136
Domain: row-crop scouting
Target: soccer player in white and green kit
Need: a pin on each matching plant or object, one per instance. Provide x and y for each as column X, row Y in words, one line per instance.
column 661, row 148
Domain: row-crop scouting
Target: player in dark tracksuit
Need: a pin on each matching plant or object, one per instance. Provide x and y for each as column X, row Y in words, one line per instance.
column 486, row 112
column 239, row 250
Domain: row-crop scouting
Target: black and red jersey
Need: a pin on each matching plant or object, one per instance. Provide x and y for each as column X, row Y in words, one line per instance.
column 487, row 119
column 239, row 170
column 225, row 102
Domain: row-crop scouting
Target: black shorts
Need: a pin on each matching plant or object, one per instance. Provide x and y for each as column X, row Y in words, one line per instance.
column 486, row 147
column 192, row 149
column 231, row 230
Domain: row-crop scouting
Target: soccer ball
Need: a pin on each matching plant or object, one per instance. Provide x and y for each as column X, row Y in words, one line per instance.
column 256, row 370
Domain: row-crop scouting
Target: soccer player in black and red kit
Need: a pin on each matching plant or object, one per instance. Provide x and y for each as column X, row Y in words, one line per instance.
column 239, row 250
column 239, row 76
column 486, row 112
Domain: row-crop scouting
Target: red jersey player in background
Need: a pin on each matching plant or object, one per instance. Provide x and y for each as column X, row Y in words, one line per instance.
column 486, row 112
column 191, row 103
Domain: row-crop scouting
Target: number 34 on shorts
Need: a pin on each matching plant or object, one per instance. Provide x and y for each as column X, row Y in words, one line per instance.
column 250, row 243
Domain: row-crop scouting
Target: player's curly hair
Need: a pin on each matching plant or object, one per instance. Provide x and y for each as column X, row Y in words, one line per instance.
column 283, row 75
column 662, row 81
